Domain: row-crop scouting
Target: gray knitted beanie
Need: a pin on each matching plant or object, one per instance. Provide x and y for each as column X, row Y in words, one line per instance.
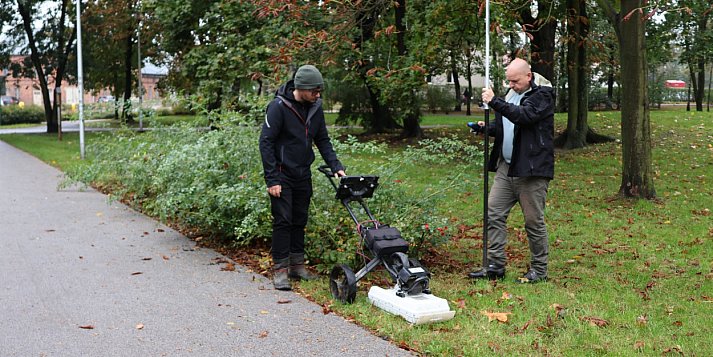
column 308, row 77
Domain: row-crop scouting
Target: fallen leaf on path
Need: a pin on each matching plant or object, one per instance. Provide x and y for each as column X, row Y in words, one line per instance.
column 284, row 301
column 147, row 258
column 264, row 312
column 140, row 326
column 263, row 334
column 228, row 267
column 500, row 316
column 137, row 273
column 87, row 327
column 165, row 257
column 160, row 230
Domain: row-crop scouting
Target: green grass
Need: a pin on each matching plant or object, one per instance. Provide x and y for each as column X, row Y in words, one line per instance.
column 16, row 126
column 149, row 122
column 452, row 119
column 61, row 154
column 630, row 277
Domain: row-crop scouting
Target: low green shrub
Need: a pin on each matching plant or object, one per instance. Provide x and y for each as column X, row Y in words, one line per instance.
column 15, row 114
column 439, row 98
column 212, row 181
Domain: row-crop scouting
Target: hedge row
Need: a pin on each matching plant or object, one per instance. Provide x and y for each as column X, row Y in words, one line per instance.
column 14, row 114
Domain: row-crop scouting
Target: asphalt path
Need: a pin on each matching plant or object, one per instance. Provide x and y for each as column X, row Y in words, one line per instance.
column 67, row 126
column 83, row 276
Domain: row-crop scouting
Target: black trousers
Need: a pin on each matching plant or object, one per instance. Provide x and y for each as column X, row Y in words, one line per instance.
column 289, row 218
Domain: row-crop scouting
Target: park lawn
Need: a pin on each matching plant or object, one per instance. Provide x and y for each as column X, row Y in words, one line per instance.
column 62, row 154
column 626, row 277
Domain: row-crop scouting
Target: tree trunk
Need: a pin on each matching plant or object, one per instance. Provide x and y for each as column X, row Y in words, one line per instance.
column 456, row 83
column 700, row 91
column 381, row 118
column 578, row 133
column 468, row 72
column 126, row 107
column 610, row 83
column 637, row 176
column 50, row 116
column 562, row 94
column 710, row 80
column 543, row 39
column 412, row 128
column 701, row 62
column 577, row 127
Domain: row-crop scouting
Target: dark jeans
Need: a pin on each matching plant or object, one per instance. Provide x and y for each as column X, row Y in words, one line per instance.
column 289, row 214
column 531, row 193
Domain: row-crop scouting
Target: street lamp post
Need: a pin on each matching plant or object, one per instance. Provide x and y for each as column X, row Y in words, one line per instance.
column 80, row 78
column 141, row 84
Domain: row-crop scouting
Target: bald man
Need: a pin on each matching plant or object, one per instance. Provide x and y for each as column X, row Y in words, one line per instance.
column 523, row 162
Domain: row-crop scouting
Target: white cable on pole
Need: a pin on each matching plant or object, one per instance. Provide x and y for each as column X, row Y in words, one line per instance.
column 80, row 78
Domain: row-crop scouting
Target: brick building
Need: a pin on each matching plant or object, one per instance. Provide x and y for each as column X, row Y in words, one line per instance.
column 27, row 90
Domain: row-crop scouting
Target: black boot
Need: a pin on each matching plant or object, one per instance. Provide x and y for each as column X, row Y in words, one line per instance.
column 297, row 268
column 279, row 278
column 492, row 272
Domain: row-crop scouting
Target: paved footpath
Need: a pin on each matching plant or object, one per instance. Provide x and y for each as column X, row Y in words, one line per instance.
column 82, row 276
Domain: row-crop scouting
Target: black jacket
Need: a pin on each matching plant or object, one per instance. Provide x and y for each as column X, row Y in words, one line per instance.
column 287, row 135
column 533, row 144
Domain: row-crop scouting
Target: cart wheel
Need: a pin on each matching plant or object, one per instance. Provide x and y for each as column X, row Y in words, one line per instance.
column 342, row 283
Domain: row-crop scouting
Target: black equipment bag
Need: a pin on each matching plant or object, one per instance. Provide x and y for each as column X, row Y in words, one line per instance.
column 385, row 241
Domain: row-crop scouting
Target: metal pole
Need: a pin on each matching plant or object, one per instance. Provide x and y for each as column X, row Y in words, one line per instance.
column 487, row 137
column 141, row 84
column 80, row 78
column 58, row 105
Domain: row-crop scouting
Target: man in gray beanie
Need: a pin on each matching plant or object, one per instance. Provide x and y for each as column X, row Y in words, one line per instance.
column 294, row 121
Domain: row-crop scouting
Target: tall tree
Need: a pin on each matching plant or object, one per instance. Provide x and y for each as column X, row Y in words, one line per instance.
column 578, row 133
column 695, row 25
column 215, row 49
column 541, row 27
column 629, row 23
column 112, row 28
column 44, row 31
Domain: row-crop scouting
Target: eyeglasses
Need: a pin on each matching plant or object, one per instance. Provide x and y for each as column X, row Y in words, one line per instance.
column 315, row 91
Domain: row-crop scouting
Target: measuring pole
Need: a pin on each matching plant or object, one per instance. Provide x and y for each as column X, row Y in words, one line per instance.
column 487, row 137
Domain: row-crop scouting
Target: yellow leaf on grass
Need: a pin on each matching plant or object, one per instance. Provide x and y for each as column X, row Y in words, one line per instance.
column 500, row 316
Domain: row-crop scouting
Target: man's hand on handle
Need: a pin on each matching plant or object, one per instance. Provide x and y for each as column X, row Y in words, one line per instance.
column 487, row 95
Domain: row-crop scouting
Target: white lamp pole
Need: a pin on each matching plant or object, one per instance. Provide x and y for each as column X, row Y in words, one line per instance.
column 80, row 78
column 141, row 84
